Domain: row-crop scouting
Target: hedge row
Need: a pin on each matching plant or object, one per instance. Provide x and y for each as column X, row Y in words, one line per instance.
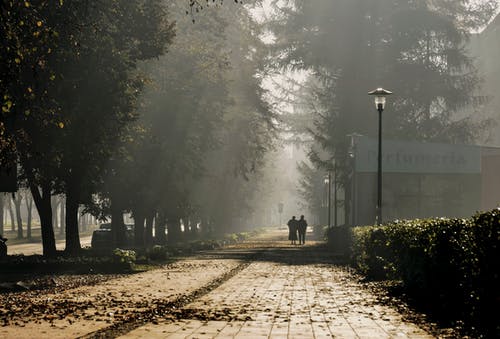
column 451, row 263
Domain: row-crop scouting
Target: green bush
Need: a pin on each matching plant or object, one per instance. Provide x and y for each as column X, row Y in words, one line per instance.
column 203, row 245
column 450, row 262
column 242, row 236
column 320, row 232
column 158, row 253
column 231, row 238
column 338, row 238
column 124, row 256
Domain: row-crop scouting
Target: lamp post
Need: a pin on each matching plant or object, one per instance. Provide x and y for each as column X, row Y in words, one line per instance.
column 352, row 157
column 380, row 100
column 280, row 211
column 328, row 180
column 335, row 220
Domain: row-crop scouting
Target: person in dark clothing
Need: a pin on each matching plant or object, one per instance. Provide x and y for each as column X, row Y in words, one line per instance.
column 302, row 228
column 292, row 230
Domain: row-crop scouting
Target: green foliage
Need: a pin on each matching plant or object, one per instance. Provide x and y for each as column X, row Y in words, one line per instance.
column 415, row 48
column 204, row 126
column 451, row 262
column 124, row 256
column 158, row 253
column 231, row 238
column 68, row 89
column 312, row 188
column 203, row 245
column 87, row 262
column 321, row 231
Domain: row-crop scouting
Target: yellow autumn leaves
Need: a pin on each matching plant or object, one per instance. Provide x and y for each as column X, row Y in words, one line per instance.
column 6, row 106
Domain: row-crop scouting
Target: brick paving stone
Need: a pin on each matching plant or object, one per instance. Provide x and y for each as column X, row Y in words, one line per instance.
column 108, row 298
column 293, row 293
column 230, row 330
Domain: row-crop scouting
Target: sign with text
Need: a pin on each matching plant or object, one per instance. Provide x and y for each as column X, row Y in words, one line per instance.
column 417, row 157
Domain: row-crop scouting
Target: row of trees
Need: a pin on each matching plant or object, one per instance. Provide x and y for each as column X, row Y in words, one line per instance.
column 18, row 215
column 13, row 205
column 95, row 109
column 415, row 48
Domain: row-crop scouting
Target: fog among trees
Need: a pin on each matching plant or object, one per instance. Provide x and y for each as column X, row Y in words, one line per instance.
column 197, row 117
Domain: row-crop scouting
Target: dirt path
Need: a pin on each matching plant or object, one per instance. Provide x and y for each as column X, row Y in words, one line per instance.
column 263, row 288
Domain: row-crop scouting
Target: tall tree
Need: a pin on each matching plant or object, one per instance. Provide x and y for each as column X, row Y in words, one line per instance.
column 203, row 115
column 249, row 130
column 413, row 48
column 68, row 88
column 2, row 210
column 115, row 37
column 17, row 200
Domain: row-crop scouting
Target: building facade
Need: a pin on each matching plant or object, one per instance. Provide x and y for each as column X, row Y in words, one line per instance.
column 422, row 180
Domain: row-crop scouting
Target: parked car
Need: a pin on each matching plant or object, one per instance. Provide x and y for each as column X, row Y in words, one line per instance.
column 105, row 226
column 102, row 238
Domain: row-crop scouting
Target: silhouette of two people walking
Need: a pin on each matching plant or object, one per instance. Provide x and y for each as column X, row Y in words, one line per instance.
column 297, row 230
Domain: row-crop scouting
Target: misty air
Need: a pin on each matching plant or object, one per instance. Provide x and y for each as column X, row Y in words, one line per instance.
column 249, row 169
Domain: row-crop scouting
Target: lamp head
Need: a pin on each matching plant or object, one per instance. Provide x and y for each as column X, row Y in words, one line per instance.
column 380, row 97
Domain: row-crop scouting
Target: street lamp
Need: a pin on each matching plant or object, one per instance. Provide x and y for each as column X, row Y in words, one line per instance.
column 380, row 99
column 352, row 157
column 328, row 181
column 335, row 220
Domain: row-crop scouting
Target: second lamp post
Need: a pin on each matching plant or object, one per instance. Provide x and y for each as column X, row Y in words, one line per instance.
column 380, row 99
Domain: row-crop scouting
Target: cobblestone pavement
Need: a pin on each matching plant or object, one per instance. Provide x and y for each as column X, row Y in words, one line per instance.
column 80, row 312
column 287, row 293
column 264, row 288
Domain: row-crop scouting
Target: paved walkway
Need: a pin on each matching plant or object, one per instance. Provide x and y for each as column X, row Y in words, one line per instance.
column 260, row 289
column 287, row 293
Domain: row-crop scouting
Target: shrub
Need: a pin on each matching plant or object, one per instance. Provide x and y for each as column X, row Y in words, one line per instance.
column 231, row 238
column 450, row 262
column 203, row 245
column 158, row 253
column 124, row 256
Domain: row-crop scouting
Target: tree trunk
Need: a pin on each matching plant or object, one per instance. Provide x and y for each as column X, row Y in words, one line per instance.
column 79, row 219
column 206, row 227
column 84, row 222
column 17, row 204
column 203, row 226
column 194, row 227
column 139, row 228
column 72, row 234
column 62, row 215
column 54, row 202
column 11, row 214
column 174, row 230
column 1, row 213
column 148, row 232
column 160, row 236
column 29, row 207
column 187, row 234
column 117, row 226
column 44, row 208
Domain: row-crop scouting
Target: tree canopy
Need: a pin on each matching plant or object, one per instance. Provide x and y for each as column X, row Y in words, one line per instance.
column 416, row 49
